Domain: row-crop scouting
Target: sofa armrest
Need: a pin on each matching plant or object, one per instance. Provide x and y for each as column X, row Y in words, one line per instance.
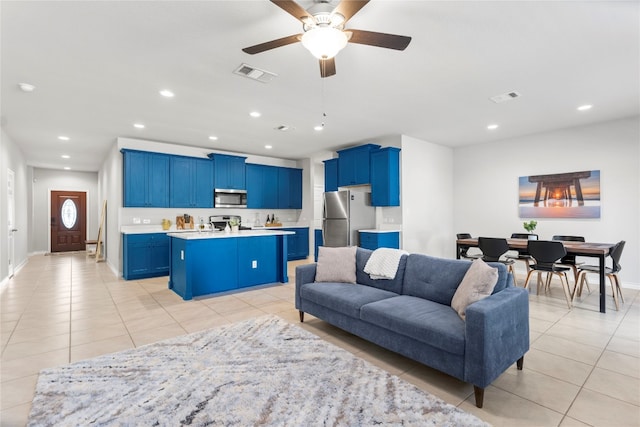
column 304, row 274
column 497, row 335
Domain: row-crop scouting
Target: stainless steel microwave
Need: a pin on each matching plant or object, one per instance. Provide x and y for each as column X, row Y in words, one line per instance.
column 228, row 198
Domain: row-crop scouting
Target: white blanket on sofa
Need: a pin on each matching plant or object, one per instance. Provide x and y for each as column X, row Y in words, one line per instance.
column 383, row 263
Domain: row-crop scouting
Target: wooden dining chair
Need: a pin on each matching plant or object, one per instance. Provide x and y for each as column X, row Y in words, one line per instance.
column 522, row 254
column 493, row 249
column 464, row 250
column 570, row 260
column 546, row 254
column 611, row 273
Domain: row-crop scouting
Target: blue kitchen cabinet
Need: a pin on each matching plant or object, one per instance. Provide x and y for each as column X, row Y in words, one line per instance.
column 375, row 240
column 230, row 171
column 256, row 261
column 262, row 187
column 331, row 175
column 145, row 255
column 191, row 182
column 318, row 240
column 145, row 179
column 354, row 165
column 289, row 188
column 297, row 244
column 192, row 270
column 385, row 177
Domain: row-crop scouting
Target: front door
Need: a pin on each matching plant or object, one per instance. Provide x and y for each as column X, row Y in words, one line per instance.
column 68, row 221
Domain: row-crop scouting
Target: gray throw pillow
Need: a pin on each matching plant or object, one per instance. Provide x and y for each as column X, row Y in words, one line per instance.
column 477, row 283
column 336, row 264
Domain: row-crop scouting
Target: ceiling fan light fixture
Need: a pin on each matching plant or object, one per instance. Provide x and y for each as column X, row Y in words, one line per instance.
column 324, row 42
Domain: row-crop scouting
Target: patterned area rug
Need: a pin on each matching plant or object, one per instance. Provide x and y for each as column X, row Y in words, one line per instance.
column 262, row 371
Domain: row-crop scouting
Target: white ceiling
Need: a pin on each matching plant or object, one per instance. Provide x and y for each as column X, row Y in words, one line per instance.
column 98, row 68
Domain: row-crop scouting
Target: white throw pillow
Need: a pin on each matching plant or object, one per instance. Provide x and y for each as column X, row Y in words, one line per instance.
column 336, row 264
column 477, row 284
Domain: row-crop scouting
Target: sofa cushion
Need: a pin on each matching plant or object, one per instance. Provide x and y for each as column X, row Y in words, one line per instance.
column 336, row 264
column 423, row 320
column 478, row 283
column 345, row 298
column 437, row 279
column 393, row 285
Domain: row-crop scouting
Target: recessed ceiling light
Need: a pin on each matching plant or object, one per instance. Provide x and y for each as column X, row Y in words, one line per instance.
column 213, row 138
column 63, row 138
column 255, row 114
column 492, row 127
column 318, row 128
column 167, row 93
column 138, row 125
column 65, row 156
column 26, row 87
column 67, row 168
column 585, row 107
column 268, row 147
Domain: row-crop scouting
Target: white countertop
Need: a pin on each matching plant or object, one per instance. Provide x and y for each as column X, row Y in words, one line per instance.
column 378, row 231
column 147, row 229
column 193, row 235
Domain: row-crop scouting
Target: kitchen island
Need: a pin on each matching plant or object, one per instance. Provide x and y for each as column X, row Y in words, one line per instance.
column 208, row 262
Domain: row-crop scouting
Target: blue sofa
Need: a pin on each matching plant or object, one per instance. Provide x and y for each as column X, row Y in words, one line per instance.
column 412, row 315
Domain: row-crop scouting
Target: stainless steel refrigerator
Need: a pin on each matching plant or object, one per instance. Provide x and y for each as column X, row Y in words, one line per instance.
column 346, row 212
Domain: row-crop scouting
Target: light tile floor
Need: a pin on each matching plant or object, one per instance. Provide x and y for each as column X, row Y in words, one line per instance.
column 583, row 367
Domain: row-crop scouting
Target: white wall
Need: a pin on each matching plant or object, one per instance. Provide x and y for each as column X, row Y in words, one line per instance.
column 485, row 182
column 12, row 158
column 47, row 180
column 427, row 198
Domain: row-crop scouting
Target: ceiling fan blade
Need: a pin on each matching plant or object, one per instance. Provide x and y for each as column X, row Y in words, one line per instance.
column 371, row 38
column 348, row 8
column 293, row 9
column 252, row 50
column 327, row 67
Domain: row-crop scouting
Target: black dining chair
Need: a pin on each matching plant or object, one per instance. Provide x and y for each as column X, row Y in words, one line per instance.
column 570, row 260
column 492, row 250
column 546, row 254
column 464, row 250
column 611, row 273
column 522, row 254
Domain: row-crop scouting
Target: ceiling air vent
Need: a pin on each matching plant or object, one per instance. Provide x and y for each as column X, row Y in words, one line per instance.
column 254, row 73
column 499, row 99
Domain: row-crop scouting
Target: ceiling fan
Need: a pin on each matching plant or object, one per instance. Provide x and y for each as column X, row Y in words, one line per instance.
column 324, row 34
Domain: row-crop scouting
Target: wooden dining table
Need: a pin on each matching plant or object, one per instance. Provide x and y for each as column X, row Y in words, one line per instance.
column 585, row 249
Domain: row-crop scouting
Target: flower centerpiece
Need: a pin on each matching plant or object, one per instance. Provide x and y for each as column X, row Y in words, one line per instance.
column 530, row 226
column 234, row 224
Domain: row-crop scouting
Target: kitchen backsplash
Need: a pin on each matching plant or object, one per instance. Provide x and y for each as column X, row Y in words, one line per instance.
column 154, row 216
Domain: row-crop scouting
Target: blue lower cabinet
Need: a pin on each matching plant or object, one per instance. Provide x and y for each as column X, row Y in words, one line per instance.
column 256, row 261
column 145, row 255
column 211, row 265
column 298, row 244
column 202, row 267
column 373, row 241
column 317, row 237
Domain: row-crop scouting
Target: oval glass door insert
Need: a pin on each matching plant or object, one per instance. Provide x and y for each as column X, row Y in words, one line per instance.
column 69, row 213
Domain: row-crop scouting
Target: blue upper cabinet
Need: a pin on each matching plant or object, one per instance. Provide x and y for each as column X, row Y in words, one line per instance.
column 272, row 187
column 289, row 188
column 145, row 179
column 385, row 177
column 331, row 175
column 262, row 186
column 191, row 182
column 354, row 165
column 230, row 171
